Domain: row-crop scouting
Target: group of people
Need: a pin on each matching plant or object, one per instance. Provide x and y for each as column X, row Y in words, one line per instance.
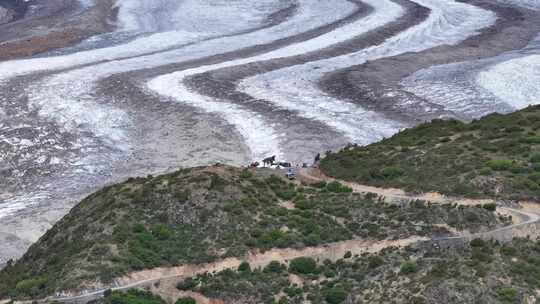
column 271, row 161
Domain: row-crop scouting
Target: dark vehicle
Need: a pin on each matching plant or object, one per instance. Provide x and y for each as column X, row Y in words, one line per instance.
column 290, row 174
column 285, row 165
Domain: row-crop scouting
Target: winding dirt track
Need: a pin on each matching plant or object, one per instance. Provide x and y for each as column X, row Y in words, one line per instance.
column 334, row 251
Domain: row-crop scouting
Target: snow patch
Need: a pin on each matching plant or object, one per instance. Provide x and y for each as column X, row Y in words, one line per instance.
column 516, row 81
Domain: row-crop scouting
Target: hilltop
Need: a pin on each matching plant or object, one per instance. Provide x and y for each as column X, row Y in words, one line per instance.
column 497, row 156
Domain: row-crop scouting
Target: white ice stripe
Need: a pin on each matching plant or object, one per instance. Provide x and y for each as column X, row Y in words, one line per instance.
column 516, row 81
column 10, row 206
column 296, row 88
column 312, row 13
column 455, row 86
column 193, row 15
column 196, row 20
column 451, row 86
column 385, row 11
column 259, row 136
column 68, row 98
column 70, row 103
column 359, row 125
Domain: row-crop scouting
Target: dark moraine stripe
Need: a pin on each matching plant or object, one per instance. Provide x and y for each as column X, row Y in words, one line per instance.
column 127, row 86
column 277, row 18
column 15, row 103
column 222, row 83
column 306, row 135
column 368, row 84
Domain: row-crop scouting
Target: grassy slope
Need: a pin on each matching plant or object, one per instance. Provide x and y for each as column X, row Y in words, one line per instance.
column 202, row 214
column 496, row 156
column 482, row 273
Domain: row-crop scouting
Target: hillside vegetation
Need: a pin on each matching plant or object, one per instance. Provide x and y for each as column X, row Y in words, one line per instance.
column 203, row 214
column 481, row 272
column 496, row 156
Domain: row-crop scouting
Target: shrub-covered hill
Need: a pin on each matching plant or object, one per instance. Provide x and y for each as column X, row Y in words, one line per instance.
column 203, row 214
column 495, row 156
column 481, row 273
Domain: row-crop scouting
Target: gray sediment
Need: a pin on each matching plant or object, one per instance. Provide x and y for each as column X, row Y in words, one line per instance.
column 168, row 135
column 308, row 137
column 368, row 84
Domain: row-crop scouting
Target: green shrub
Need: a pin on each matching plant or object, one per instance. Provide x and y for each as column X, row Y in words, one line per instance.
column 303, row 265
column 335, row 295
column 274, row 267
column 375, row 261
column 517, row 168
column 490, row 207
column 283, row 300
column 408, row 267
column 478, row 243
column 161, row 232
column 532, row 140
column 286, row 195
column 182, row 195
column 535, row 158
column 535, row 177
column 188, row 300
column 139, row 228
column 244, row 267
column 292, row 291
column 521, row 182
column 485, row 171
column 337, row 187
column 508, row 250
column 507, row 295
column 107, row 293
column 187, row 284
column 133, row 296
column 246, row 174
column 439, row 270
column 392, row 172
column 217, row 183
column 320, row 185
column 500, row 164
column 30, row 286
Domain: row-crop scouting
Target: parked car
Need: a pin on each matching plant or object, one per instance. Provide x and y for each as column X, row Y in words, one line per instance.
column 290, row 174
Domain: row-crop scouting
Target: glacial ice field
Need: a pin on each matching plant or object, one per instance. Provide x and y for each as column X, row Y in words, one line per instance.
column 178, row 83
